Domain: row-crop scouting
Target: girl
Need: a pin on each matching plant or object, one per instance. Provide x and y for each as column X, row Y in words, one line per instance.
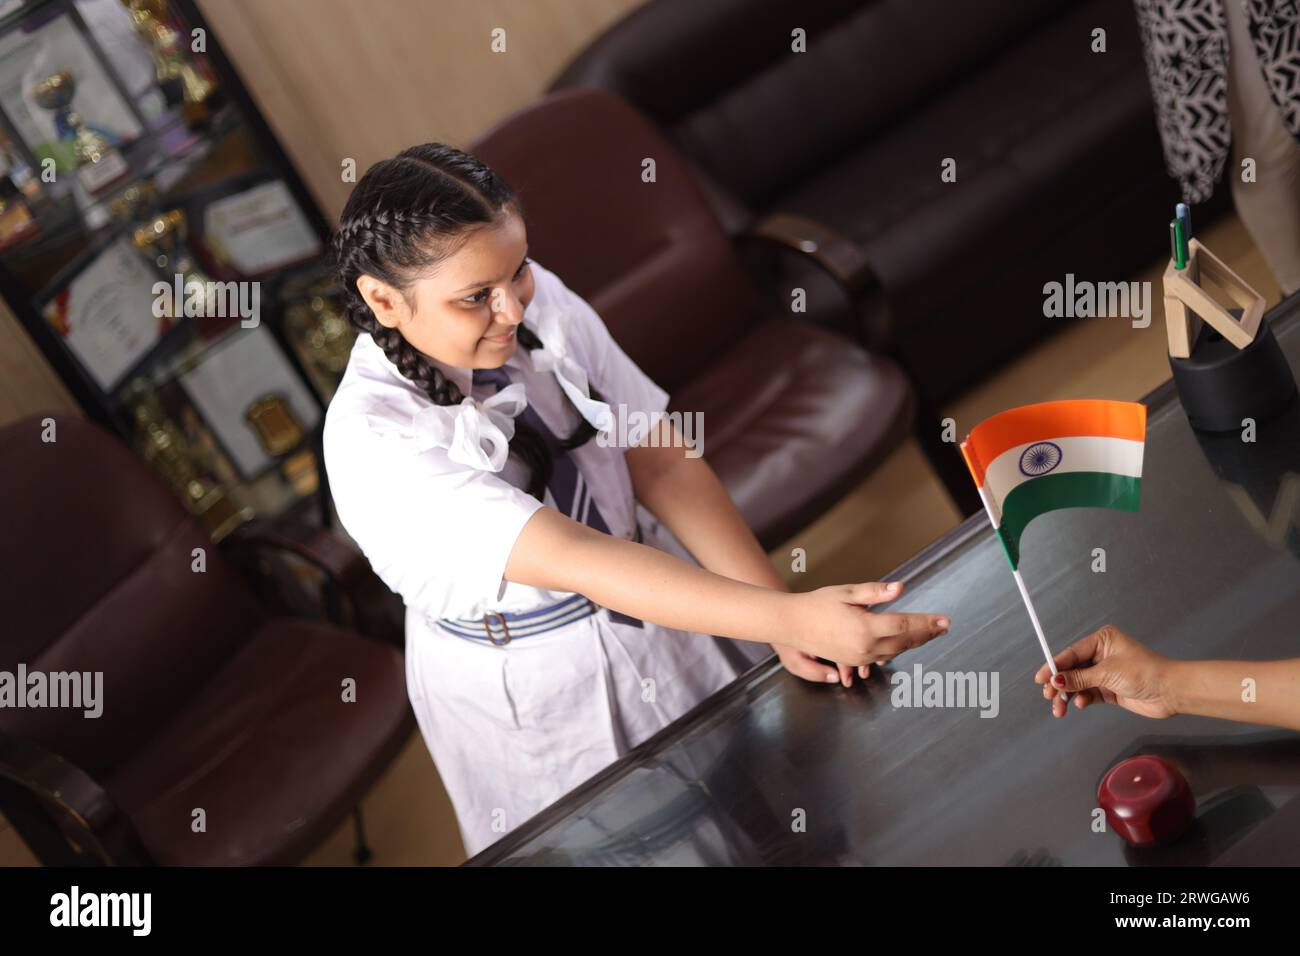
column 552, row 622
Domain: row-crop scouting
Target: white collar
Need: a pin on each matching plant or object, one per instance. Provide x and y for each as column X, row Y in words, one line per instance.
column 477, row 432
column 462, row 377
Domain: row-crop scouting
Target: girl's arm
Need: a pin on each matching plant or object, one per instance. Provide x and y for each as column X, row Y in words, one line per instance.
column 686, row 495
column 556, row 553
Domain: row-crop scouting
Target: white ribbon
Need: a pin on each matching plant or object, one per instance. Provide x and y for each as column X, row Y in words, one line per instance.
column 554, row 357
column 475, row 433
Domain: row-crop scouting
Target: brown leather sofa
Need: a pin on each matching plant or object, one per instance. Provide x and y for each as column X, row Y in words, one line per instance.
column 209, row 701
column 1059, row 166
column 794, row 415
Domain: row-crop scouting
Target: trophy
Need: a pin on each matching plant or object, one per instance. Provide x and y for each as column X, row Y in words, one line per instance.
column 322, row 337
column 280, row 432
column 98, row 162
column 131, row 203
column 164, row 445
column 16, row 220
column 180, row 79
column 162, row 242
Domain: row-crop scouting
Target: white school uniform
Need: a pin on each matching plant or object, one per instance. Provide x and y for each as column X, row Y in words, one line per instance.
column 511, row 728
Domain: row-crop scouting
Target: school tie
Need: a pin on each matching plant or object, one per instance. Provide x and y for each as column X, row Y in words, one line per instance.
column 567, row 486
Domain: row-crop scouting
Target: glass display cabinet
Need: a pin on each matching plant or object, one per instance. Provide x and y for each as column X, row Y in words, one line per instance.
column 161, row 250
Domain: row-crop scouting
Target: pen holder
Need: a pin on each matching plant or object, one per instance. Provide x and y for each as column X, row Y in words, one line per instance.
column 1226, row 364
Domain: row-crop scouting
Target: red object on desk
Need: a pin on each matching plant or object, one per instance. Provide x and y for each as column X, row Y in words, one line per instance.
column 1147, row 801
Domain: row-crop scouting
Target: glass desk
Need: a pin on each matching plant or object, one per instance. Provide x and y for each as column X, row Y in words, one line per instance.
column 775, row 770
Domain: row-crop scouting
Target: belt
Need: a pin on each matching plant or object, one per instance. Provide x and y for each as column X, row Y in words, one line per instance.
column 502, row 627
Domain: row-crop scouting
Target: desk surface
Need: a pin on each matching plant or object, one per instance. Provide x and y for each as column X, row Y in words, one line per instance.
column 1198, row 573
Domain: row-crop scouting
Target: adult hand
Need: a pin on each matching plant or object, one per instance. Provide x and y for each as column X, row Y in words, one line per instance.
column 1110, row 667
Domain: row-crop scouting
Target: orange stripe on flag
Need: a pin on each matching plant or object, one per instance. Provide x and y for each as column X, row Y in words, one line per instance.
column 976, row 469
column 1047, row 420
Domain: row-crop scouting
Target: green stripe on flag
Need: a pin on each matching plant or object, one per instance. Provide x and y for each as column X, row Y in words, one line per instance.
column 1070, row 489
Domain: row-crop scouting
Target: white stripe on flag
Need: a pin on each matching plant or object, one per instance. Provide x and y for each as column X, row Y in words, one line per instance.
column 1116, row 456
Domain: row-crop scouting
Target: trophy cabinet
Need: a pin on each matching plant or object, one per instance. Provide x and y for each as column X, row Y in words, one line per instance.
column 162, row 252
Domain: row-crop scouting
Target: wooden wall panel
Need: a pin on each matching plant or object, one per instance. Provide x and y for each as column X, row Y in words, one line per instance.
column 366, row 78
column 27, row 383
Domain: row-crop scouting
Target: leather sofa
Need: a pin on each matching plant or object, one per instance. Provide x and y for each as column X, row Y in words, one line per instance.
column 1058, row 163
column 794, row 415
column 211, row 699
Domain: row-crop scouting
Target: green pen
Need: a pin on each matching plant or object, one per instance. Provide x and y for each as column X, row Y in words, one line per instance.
column 1178, row 243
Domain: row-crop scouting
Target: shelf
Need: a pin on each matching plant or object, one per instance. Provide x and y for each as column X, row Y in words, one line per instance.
column 65, row 231
column 191, row 169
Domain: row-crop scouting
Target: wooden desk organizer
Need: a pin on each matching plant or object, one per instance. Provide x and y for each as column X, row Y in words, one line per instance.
column 1227, row 379
column 1187, row 305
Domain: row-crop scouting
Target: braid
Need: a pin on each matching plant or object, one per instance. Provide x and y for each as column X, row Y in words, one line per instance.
column 406, row 214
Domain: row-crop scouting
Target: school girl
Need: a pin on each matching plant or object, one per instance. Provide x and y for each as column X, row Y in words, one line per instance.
column 560, row 590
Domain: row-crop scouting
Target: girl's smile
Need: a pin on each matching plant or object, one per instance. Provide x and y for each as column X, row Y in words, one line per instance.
column 466, row 312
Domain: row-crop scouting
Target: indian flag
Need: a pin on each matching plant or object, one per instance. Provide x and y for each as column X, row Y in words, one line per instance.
column 1076, row 454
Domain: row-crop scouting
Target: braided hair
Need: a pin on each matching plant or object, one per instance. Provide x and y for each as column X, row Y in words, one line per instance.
column 405, row 215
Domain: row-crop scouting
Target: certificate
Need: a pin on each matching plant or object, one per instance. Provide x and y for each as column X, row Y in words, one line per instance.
column 237, row 371
column 106, row 314
column 259, row 230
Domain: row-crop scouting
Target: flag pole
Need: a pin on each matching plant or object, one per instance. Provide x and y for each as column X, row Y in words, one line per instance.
column 1015, row 573
column 1038, row 628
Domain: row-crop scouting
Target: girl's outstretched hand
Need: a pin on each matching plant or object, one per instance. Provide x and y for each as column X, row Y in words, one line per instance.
column 834, row 623
column 805, row 665
column 1110, row 666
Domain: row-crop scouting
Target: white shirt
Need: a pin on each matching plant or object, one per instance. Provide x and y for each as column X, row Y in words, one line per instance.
column 439, row 532
column 511, row 728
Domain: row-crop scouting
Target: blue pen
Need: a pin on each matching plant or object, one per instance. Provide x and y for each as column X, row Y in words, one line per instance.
column 1183, row 212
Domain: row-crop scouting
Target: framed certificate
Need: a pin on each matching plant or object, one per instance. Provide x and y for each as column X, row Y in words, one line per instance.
column 105, row 314
column 233, row 376
column 259, row 230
